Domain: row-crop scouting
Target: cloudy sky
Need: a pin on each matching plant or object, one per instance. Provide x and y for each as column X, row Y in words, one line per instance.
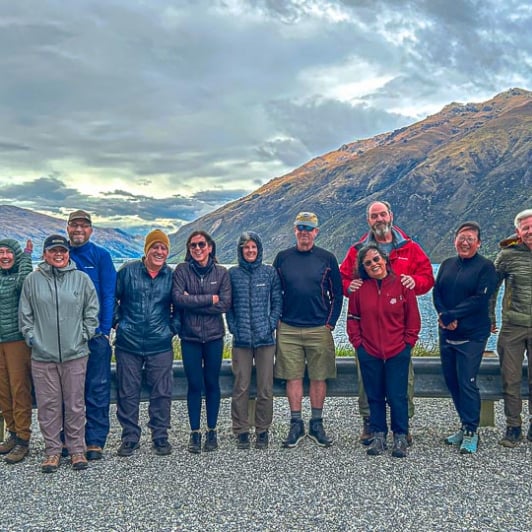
column 151, row 113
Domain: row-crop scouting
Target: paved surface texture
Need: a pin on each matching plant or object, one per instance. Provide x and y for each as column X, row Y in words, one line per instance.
column 307, row 488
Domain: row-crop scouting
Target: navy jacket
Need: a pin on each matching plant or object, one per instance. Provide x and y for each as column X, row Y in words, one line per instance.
column 144, row 314
column 462, row 292
column 257, row 299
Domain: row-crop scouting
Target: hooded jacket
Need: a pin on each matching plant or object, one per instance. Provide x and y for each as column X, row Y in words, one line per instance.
column 58, row 313
column 514, row 267
column 257, row 298
column 11, row 282
column 407, row 257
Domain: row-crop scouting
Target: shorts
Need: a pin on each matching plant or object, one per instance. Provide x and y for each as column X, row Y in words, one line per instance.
column 295, row 345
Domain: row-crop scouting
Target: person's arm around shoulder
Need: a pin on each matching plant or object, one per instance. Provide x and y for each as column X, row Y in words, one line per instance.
column 421, row 274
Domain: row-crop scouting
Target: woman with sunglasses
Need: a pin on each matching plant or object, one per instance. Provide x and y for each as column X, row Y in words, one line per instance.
column 383, row 324
column 202, row 291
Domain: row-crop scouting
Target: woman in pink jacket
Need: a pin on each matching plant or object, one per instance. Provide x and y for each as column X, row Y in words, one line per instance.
column 383, row 325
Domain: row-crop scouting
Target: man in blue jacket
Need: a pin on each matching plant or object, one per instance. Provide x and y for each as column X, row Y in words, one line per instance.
column 96, row 262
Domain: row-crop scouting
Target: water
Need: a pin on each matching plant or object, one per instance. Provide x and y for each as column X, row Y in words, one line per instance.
column 428, row 335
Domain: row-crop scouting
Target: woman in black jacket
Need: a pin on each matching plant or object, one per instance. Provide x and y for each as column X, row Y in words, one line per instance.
column 202, row 290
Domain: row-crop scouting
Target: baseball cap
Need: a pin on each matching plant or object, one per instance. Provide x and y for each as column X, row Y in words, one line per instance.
column 306, row 218
column 54, row 241
column 80, row 215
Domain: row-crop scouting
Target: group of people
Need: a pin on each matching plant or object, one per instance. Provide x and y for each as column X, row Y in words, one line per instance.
column 55, row 325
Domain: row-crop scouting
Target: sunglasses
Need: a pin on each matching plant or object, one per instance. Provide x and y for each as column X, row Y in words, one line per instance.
column 375, row 259
column 201, row 245
column 304, row 228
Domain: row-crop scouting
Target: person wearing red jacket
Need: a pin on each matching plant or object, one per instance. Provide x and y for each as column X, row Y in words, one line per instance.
column 408, row 261
column 383, row 325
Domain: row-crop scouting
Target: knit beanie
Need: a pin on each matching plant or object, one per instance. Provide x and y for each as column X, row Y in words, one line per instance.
column 153, row 237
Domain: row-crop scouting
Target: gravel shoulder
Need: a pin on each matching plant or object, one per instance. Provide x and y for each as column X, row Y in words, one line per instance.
column 307, row 488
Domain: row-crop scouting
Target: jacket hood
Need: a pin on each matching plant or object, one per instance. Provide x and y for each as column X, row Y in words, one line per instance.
column 17, row 250
column 509, row 241
column 244, row 237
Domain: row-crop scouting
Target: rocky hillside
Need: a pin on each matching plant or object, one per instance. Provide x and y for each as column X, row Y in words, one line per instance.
column 22, row 224
column 469, row 161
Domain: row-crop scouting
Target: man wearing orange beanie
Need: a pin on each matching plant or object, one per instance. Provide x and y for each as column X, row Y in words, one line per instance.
column 145, row 324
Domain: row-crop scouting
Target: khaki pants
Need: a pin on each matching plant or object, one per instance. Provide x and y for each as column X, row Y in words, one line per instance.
column 512, row 343
column 15, row 387
column 59, row 386
column 242, row 363
column 363, row 406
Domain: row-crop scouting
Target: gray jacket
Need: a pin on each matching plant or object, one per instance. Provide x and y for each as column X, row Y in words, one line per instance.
column 58, row 313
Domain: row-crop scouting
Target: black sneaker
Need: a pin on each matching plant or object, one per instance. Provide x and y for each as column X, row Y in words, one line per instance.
column 512, row 437
column 295, row 434
column 262, row 440
column 400, row 443
column 529, row 433
column 127, row 448
column 211, row 441
column 366, row 436
column 378, row 445
column 162, row 447
column 242, row 441
column 316, row 433
column 194, row 442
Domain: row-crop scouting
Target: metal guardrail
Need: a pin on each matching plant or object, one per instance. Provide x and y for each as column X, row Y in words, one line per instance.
column 429, row 382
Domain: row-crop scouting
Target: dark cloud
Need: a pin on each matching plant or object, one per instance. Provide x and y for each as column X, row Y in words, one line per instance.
column 167, row 100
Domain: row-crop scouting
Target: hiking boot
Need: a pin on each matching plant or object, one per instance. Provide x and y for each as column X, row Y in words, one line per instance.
column 316, row 433
column 162, row 447
column 18, row 453
column 242, row 441
column 456, row 438
column 194, row 442
column 400, row 443
column 512, row 437
column 529, row 433
column 262, row 440
column 366, row 436
column 211, row 441
column 7, row 445
column 127, row 448
column 469, row 444
column 295, row 434
column 79, row 461
column 50, row 463
column 378, row 444
column 94, row 452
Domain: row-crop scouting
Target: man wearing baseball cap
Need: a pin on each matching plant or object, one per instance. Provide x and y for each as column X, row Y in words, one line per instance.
column 312, row 302
column 96, row 262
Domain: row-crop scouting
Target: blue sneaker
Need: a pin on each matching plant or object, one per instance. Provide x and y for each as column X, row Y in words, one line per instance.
column 456, row 438
column 469, row 443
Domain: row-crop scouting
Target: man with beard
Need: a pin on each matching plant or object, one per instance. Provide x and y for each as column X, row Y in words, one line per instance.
column 408, row 261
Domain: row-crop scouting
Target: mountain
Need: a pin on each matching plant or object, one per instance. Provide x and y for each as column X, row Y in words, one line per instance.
column 22, row 224
column 468, row 162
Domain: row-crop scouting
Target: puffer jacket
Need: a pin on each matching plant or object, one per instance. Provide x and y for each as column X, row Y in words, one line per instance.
column 514, row 267
column 11, row 282
column 144, row 316
column 58, row 313
column 257, row 299
column 201, row 320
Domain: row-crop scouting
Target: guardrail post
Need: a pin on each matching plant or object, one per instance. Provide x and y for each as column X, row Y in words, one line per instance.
column 487, row 413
